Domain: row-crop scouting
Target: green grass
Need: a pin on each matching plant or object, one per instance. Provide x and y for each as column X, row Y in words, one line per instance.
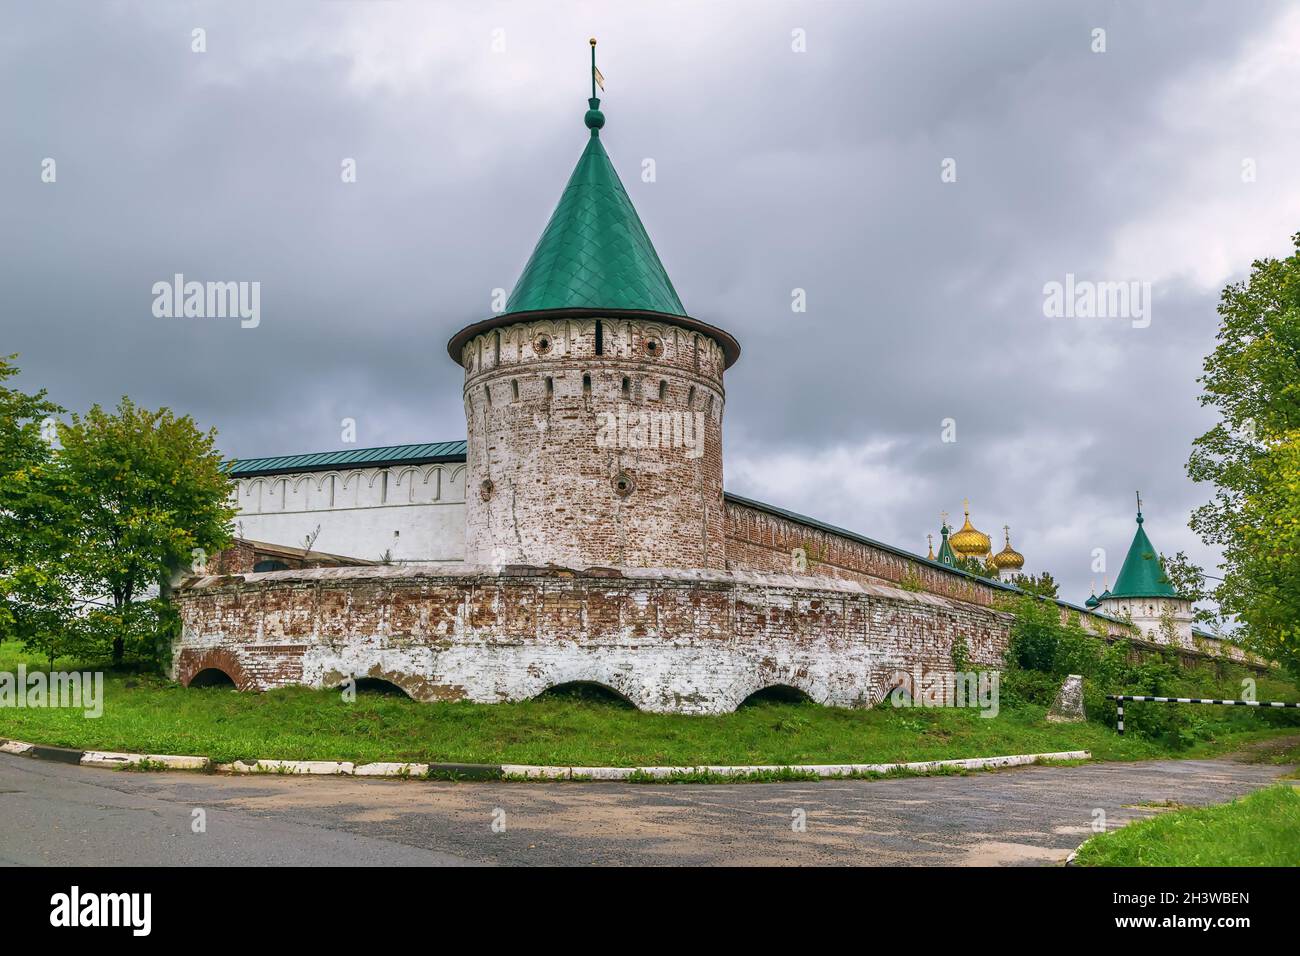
column 1262, row 829
column 145, row 714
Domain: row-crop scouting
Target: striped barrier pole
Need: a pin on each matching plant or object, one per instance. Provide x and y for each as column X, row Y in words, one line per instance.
column 1120, row 698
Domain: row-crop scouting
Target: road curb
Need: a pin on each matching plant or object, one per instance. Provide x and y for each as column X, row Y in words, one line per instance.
column 479, row 771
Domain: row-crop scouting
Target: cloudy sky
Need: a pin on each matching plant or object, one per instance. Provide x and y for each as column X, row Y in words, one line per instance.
column 777, row 168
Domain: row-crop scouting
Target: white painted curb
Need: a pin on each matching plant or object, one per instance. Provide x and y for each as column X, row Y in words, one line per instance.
column 392, row 770
column 105, row 758
column 308, row 767
column 825, row 771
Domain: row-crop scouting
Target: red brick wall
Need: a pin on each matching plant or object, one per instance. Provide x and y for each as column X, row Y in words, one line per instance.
column 534, row 432
column 696, row 642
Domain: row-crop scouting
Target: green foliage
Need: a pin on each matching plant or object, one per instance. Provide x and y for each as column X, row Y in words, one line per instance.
column 1044, row 649
column 91, row 531
column 960, row 654
column 35, row 588
column 1261, row 829
column 1252, row 456
column 1044, row 585
column 149, row 497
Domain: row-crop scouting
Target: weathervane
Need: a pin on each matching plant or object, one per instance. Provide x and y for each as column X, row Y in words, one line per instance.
column 595, row 119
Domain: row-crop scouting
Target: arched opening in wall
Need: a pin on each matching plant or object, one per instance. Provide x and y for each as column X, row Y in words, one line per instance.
column 212, row 677
column 776, row 694
column 587, row 692
column 378, row 687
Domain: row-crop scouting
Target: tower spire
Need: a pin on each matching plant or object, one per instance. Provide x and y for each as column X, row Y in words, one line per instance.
column 594, row 119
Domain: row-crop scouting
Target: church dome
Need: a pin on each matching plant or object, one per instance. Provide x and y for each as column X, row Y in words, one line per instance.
column 969, row 542
column 1008, row 559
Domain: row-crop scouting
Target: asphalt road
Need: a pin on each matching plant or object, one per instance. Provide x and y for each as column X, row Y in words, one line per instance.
column 54, row 814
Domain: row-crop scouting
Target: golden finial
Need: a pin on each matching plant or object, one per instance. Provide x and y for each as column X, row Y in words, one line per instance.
column 593, row 41
column 930, row 538
column 965, row 503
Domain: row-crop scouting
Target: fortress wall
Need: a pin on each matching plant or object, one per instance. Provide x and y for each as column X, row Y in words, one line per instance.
column 668, row 640
column 758, row 540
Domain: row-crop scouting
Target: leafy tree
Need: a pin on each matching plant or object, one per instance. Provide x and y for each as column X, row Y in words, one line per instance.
column 35, row 591
column 1252, row 456
column 150, row 497
column 1044, row 585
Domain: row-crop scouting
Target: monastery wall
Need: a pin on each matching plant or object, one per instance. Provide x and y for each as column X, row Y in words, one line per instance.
column 668, row 640
column 761, row 540
column 415, row 512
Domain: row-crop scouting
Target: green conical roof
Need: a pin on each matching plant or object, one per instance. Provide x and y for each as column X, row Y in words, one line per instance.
column 1142, row 575
column 594, row 252
column 946, row 555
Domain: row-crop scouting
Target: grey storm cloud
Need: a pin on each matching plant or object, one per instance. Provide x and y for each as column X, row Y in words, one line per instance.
column 775, row 170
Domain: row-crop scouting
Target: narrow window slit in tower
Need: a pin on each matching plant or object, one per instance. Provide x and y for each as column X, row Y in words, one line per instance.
column 663, row 390
column 600, row 338
column 627, row 388
column 550, row 388
column 514, row 388
column 586, row 386
column 690, row 399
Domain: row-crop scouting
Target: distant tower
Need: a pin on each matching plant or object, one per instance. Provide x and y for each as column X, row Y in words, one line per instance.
column 1009, row 562
column 1144, row 594
column 593, row 403
column 946, row 556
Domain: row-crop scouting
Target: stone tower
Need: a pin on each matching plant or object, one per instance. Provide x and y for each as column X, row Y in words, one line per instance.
column 1143, row 593
column 593, row 403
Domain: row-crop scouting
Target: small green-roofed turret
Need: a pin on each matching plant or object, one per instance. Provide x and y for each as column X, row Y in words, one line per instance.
column 1143, row 574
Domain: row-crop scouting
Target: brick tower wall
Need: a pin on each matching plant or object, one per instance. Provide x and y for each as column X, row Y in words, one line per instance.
column 594, row 454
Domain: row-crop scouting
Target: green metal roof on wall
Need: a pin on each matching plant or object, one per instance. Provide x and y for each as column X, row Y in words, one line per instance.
column 1142, row 575
column 352, row 458
column 594, row 253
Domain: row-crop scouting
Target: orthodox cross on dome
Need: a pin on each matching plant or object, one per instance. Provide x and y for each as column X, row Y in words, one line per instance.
column 965, row 504
column 1006, row 530
column 1139, row 498
column 943, row 517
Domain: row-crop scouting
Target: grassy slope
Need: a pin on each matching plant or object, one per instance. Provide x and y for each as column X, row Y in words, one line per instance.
column 153, row 716
column 1262, row 829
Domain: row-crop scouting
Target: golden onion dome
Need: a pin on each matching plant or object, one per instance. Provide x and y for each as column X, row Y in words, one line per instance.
column 1008, row 559
column 969, row 542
